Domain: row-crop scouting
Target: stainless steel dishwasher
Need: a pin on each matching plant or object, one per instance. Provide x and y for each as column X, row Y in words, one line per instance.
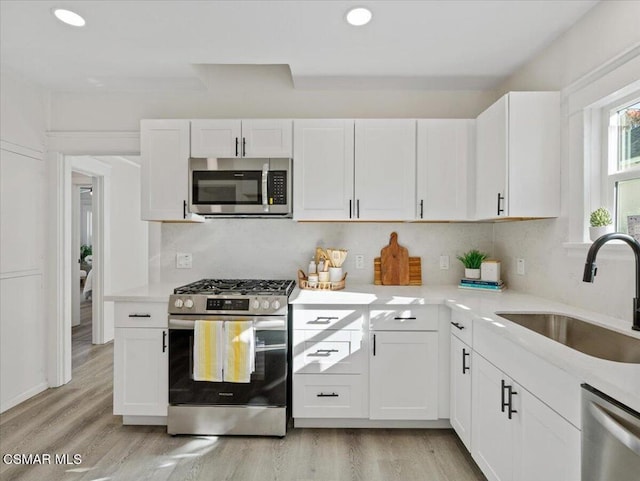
column 610, row 438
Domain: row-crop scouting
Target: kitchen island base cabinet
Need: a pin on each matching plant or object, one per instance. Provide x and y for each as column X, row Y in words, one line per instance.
column 516, row 437
column 403, row 375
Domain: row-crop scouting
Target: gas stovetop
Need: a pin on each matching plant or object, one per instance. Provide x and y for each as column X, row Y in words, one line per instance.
column 232, row 296
column 238, row 287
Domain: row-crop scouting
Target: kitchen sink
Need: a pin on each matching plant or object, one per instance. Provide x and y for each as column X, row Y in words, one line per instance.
column 582, row 336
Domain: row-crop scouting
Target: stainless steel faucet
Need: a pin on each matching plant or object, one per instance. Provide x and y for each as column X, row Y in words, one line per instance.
column 590, row 268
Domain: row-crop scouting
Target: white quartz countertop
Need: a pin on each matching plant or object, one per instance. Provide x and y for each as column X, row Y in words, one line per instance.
column 619, row 380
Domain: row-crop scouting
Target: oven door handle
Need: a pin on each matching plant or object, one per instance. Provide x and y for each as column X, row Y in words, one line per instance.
column 265, row 185
column 259, row 324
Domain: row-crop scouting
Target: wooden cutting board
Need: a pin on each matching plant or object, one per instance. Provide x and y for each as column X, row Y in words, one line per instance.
column 394, row 263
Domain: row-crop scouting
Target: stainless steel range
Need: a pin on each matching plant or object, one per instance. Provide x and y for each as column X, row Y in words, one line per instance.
column 256, row 407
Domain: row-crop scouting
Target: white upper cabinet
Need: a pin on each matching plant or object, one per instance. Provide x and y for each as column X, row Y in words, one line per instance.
column 445, row 182
column 165, row 169
column 323, row 170
column 241, row 138
column 385, row 169
column 518, row 157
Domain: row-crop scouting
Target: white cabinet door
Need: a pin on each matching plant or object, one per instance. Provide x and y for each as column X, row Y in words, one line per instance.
column 445, row 182
column 165, row 169
column 548, row 445
column 216, row 138
column 492, row 432
column 267, row 138
column 518, row 157
column 403, row 369
column 241, row 138
column 491, row 160
column 323, row 169
column 385, row 169
column 140, row 372
column 460, row 392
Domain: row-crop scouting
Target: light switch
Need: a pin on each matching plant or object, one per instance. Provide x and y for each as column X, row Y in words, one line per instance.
column 359, row 261
column 444, row 262
column 520, row 266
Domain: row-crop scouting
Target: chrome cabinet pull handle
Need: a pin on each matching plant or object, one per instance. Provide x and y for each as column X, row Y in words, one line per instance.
column 458, row 325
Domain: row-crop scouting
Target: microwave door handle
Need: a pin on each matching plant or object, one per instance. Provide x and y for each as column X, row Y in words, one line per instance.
column 265, row 177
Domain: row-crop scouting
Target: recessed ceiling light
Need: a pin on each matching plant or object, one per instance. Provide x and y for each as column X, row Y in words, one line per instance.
column 69, row 17
column 359, row 16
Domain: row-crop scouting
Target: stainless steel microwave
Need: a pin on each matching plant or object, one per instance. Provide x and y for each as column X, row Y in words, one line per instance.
column 240, row 186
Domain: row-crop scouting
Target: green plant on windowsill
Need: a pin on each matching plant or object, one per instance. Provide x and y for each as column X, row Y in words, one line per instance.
column 85, row 251
column 600, row 218
column 472, row 259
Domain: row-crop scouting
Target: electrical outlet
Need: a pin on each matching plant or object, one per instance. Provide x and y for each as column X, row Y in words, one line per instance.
column 359, row 261
column 520, row 266
column 184, row 260
column 444, row 262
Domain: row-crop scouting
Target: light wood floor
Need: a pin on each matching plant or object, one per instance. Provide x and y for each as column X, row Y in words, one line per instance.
column 77, row 419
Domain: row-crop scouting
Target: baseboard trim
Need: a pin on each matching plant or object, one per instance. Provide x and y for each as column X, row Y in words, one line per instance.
column 369, row 423
column 144, row 420
column 20, row 398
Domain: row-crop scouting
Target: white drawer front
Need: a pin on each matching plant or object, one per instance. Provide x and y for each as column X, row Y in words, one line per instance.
column 404, row 318
column 331, row 352
column 319, row 319
column 141, row 314
column 329, row 396
column 462, row 326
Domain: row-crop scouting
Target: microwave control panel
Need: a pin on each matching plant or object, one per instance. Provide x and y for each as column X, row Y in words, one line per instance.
column 277, row 187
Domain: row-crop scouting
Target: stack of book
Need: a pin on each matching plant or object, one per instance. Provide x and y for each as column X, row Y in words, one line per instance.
column 496, row 286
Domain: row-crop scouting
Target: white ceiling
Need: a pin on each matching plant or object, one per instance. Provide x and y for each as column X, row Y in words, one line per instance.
column 168, row 45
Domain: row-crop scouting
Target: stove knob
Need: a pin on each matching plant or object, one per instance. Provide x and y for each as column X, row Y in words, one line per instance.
column 275, row 305
column 188, row 303
column 265, row 304
column 255, row 304
column 178, row 303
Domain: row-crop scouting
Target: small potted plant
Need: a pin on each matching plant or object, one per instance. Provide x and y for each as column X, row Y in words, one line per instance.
column 472, row 261
column 601, row 223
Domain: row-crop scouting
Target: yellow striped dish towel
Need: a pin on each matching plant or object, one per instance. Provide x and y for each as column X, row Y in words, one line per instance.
column 208, row 351
column 239, row 358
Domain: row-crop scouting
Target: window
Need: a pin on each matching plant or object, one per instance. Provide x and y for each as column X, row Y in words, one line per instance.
column 622, row 163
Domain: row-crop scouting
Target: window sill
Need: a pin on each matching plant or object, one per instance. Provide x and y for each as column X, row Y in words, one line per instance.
column 611, row 250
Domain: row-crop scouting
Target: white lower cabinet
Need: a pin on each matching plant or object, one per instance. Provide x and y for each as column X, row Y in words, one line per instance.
column 329, row 396
column 460, row 390
column 140, row 359
column 403, row 375
column 140, row 368
column 514, row 435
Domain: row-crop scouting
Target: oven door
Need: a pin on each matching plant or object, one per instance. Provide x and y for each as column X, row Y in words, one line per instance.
column 268, row 385
column 239, row 186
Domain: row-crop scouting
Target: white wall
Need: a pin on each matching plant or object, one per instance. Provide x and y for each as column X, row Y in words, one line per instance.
column 23, row 189
column 608, row 30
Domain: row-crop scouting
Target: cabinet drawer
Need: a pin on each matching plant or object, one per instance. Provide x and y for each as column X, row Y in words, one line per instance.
column 404, row 318
column 319, row 319
column 462, row 326
column 330, row 352
column 329, row 396
column 141, row 314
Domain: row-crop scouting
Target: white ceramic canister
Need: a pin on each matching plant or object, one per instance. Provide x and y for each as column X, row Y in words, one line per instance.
column 490, row 270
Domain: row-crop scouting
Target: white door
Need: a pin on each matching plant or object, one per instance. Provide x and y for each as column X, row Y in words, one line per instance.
column 140, row 369
column 385, row 160
column 460, row 394
column 323, row 169
column 492, row 432
column 267, row 138
column 445, row 153
column 216, row 138
column 548, row 445
column 403, row 369
column 491, row 160
column 165, row 168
